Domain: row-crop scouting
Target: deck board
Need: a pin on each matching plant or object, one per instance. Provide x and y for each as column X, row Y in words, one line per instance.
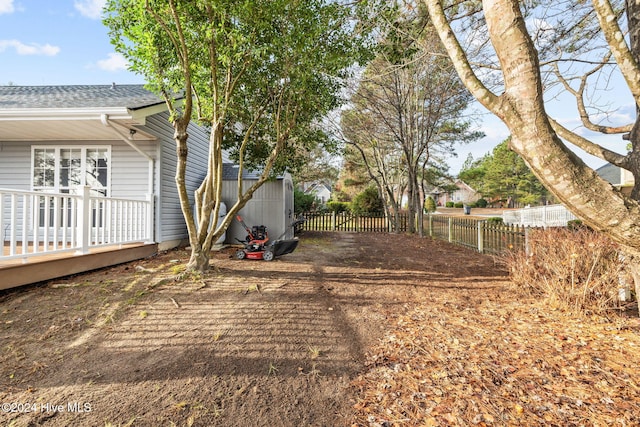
column 22, row 271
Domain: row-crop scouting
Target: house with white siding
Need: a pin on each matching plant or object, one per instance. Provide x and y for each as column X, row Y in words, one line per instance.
column 320, row 191
column 84, row 168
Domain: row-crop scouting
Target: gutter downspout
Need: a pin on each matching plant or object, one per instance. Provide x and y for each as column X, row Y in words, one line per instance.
column 104, row 118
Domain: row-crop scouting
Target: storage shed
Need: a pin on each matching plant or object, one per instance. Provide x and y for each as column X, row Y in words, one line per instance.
column 271, row 205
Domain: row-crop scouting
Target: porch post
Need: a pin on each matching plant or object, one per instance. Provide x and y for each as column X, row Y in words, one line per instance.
column 150, row 217
column 84, row 221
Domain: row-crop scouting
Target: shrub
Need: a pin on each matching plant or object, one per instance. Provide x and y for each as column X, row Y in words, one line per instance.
column 449, row 204
column 495, row 220
column 368, row 202
column 481, row 203
column 576, row 270
column 338, row 207
column 302, row 202
column 458, row 204
column 429, row 204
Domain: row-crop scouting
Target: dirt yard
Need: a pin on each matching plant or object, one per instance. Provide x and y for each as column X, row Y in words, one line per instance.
column 349, row 330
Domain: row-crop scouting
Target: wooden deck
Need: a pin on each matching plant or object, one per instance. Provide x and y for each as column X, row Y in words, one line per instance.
column 18, row 271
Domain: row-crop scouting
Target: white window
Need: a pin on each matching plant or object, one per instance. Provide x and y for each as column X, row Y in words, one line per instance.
column 64, row 169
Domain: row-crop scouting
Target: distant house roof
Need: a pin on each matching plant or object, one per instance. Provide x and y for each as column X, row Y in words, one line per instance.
column 318, row 186
column 133, row 97
column 615, row 175
column 463, row 185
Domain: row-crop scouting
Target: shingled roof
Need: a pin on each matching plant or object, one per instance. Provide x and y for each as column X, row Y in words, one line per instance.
column 230, row 172
column 133, row 97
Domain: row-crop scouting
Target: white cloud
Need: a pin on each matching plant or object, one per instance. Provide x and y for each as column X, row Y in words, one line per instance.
column 6, row 6
column 29, row 49
column 115, row 62
column 89, row 8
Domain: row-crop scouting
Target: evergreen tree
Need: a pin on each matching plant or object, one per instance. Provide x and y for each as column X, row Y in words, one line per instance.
column 503, row 175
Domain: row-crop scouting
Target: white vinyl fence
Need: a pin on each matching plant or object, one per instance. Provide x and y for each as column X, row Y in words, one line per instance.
column 34, row 223
column 540, row 216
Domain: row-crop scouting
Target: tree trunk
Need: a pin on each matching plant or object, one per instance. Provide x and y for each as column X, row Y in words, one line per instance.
column 521, row 108
column 633, row 18
column 199, row 260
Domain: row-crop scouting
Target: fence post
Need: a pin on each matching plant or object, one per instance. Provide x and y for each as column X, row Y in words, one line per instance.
column 333, row 221
column 450, row 229
column 84, row 221
column 430, row 225
column 527, row 249
column 481, row 236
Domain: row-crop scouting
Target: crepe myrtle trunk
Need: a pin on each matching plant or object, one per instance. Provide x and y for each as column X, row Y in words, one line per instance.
column 199, row 259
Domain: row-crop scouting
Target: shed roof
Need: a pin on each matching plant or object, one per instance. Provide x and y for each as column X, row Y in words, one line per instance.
column 230, row 173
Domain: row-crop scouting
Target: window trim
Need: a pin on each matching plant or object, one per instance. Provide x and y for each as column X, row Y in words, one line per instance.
column 83, row 173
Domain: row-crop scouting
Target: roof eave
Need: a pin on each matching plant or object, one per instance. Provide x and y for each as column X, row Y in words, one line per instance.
column 26, row 114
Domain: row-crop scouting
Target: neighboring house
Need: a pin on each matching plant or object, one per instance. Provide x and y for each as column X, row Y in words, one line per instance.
column 105, row 154
column 320, row 191
column 271, row 205
column 620, row 178
column 462, row 194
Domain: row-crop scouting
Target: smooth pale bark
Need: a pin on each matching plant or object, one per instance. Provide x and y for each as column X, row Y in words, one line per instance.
column 521, row 108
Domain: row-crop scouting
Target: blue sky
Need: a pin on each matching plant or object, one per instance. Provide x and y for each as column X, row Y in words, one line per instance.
column 63, row 42
column 60, row 42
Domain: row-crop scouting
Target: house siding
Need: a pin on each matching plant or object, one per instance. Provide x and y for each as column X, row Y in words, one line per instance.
column 15, row 165
column 130, row 176
column 171, row 227
column 128, row 169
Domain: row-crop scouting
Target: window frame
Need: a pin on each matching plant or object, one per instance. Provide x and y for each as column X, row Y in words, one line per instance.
column 84, row 149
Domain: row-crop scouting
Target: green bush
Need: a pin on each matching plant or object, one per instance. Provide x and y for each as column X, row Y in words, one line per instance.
column 429, row 204
column 495, row 220
column 449, row 204
column 481, row 203
column 302, row 202
column 458, row 204
column 368, row 202
column 337, row 207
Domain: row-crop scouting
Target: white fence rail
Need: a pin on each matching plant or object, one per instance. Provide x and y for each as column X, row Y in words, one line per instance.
column 541, row 216
column 35, row 223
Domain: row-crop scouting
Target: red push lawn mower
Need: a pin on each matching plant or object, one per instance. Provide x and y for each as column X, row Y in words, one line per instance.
column 258, row 246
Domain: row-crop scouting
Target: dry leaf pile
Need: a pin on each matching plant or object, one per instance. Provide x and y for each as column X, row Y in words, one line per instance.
column 501, row 363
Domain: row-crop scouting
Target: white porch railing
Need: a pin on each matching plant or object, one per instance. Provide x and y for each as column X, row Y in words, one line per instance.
column 540, row 216
column 36, row 223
